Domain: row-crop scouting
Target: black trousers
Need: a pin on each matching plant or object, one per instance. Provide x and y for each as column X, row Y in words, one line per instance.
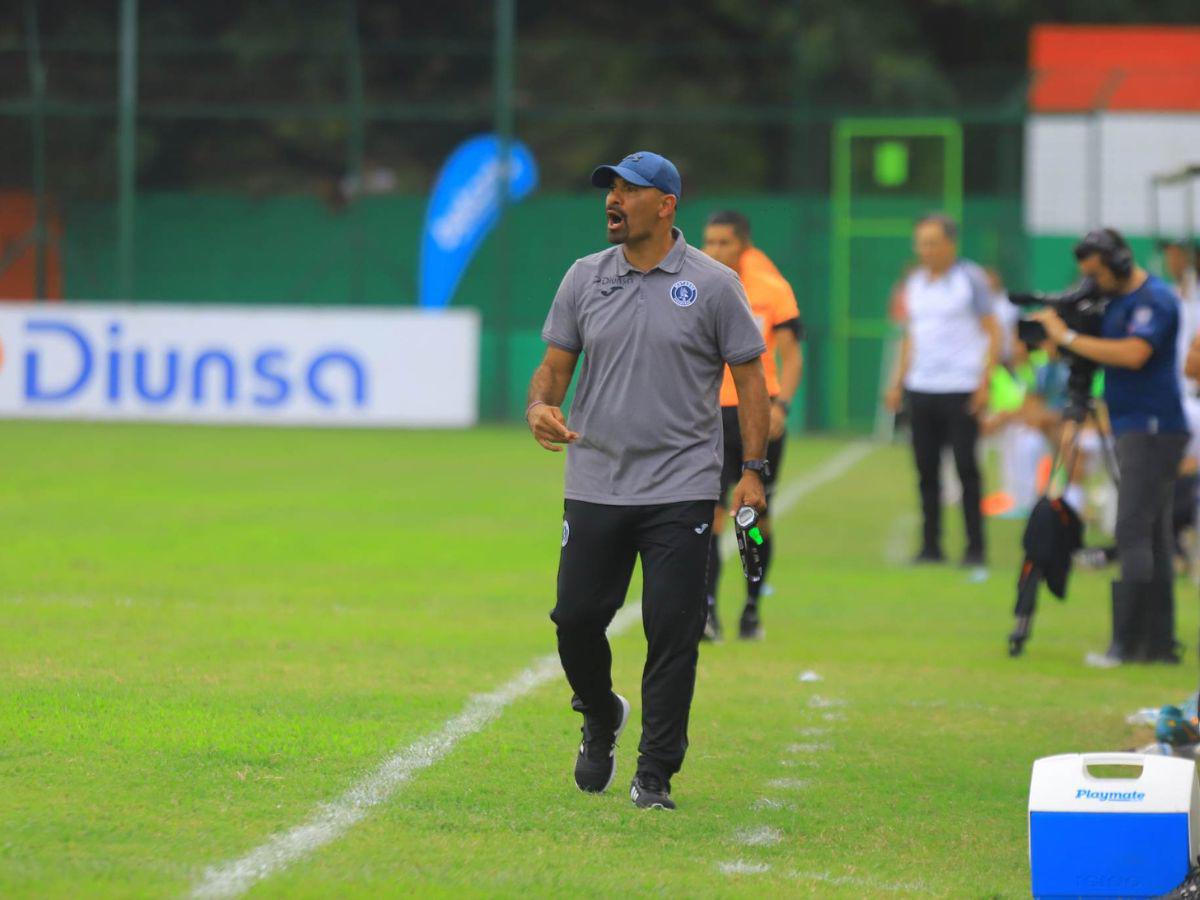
column 1149, row 464
column 600, row 546
column 938, row 420
column 731, row 467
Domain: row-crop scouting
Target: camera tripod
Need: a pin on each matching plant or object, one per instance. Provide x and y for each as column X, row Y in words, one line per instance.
column 1080, row 411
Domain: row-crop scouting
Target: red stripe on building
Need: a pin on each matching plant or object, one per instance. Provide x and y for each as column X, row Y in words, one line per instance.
column 1078, row 68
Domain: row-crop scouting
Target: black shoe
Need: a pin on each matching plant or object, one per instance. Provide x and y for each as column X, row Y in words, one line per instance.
column 1158, row 624
column 928, row 557
column 1189, row 890
column 750, row 628
column 974, row 559
column 648, row 791
column 596, row 764
column 1171, row 656
column 712, row 626
column 1129, row 600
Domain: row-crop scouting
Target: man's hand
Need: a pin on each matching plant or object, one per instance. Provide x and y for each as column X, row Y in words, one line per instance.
column 981, row 397
column 778, row 422
column 1056, row 328
column 749, row 492
column 1191, row 368
column 893, row 398
column 550, row 428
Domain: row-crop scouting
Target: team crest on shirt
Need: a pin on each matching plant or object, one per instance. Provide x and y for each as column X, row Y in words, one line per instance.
column 684, row 293
column 1142, row 316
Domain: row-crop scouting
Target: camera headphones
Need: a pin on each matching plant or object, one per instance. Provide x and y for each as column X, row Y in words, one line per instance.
column 1112, row 249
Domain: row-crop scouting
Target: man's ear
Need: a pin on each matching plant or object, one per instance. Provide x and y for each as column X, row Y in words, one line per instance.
column 667, row 208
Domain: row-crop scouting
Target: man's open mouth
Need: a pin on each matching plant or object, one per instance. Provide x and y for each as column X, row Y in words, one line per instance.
column 615, row 219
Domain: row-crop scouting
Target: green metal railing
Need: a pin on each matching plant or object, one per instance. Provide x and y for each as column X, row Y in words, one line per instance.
column 129, row 235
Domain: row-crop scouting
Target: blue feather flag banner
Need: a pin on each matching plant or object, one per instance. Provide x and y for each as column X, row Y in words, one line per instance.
column 464, row 207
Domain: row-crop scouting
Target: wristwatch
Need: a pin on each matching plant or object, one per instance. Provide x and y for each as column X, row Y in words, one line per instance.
column 761, row 466
column 1069, row 337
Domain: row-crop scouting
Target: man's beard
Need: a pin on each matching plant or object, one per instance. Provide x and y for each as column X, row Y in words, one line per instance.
column 617, row 226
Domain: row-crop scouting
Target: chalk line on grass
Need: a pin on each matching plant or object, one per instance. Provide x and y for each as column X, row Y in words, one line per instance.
column 808, row 748
column 741, row 867
column 861, row 881
column 762, row 836
column 329, row 821
column 788, row 784
column 819, row 702
column 770, row 803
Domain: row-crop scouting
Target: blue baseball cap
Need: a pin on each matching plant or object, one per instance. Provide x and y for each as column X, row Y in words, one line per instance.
column 644, row 168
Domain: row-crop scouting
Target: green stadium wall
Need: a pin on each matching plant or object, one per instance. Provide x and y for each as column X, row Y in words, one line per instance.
column 296, row 250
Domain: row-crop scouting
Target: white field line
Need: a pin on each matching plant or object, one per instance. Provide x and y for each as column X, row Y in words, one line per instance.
column 741, row 867
column 329, row 821
column 873, row 884
column 770, row 803
column 809, row 748
column 763, row 836
column 821, row 732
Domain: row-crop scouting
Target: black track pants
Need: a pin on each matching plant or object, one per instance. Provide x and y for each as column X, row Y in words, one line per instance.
column 1148, row 464
column 600, row 545
column 938, row 420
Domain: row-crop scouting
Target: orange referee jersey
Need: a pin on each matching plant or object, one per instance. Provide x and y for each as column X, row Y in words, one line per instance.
column 754, row 260
column 772, row 303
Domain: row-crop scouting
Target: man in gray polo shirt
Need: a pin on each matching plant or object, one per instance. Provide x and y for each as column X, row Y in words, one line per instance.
column 656, row 321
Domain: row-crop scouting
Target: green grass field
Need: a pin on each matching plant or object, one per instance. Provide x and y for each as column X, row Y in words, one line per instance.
column 207, row 633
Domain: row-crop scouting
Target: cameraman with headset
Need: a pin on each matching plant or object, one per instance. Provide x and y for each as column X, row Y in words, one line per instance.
column 1136, row 347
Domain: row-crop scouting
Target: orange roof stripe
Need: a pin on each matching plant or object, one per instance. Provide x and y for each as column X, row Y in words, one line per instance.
column 1077, row 68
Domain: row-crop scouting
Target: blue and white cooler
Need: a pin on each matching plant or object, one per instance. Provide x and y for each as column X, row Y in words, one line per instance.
column 1093, row 833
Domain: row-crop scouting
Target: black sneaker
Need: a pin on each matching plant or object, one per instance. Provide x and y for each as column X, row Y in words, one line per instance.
column 648, row 791
column 596, row 764
column 750, row 628
column 974, row 559
column 1190, row 889
column 928, row 557
column 1171, row 656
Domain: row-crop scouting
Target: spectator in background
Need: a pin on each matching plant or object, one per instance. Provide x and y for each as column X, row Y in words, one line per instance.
column 951, row 341
column 1007, row 316
column 1019, row 445
column 1180, row 269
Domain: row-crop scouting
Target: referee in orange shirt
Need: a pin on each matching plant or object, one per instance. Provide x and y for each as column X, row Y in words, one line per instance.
column 727, row 240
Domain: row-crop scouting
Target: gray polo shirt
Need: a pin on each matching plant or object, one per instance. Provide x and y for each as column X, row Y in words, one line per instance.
column 654, row 346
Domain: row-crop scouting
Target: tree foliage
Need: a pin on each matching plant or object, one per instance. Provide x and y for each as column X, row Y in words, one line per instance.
column 254, row 95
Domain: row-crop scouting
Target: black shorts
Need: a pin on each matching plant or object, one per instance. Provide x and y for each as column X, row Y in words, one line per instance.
column 731, row 468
